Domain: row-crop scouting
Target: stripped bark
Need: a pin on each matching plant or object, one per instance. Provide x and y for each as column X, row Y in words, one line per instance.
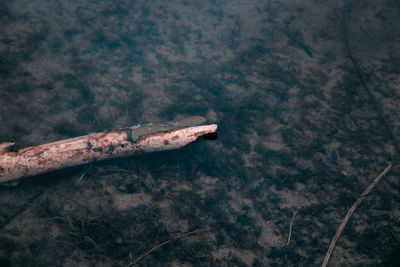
column 44, row 158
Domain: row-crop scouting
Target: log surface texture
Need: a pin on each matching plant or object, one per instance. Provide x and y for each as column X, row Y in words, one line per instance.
column 95, row 146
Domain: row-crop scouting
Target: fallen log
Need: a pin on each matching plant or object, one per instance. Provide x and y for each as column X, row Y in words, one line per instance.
column 128, row 141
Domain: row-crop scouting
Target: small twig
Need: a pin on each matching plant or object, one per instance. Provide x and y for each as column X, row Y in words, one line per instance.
column 290, row 228
column 350, row 212
column 83, row 175
column 164, row 243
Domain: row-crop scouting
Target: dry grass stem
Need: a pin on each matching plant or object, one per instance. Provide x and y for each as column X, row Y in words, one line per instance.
column 164, row 243
column 290, row 228
column 350, row 212
column 83, row 175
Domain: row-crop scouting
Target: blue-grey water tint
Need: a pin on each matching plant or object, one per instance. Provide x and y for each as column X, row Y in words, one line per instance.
column 305, row 94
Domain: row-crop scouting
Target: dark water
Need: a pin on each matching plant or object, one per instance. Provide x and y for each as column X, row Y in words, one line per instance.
column 305, row 94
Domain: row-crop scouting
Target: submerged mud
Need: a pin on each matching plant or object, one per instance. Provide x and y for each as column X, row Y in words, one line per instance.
column 298, row 131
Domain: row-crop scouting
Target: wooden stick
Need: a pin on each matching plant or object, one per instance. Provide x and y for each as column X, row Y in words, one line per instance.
column 96, row 146
column 350, row 212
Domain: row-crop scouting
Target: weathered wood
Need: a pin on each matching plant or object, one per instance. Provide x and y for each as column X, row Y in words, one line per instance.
column 95, row 146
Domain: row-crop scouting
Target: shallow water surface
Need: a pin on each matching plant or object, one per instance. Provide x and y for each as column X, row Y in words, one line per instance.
column 305, row 95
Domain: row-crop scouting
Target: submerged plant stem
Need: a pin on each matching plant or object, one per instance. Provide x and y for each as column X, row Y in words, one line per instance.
column 290, row 228
column 164, row 243
column 350, row 212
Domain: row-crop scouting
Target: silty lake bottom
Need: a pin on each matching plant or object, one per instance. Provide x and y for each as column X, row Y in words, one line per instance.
column 306, row 95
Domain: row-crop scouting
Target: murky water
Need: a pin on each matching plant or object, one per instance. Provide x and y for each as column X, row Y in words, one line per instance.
column 305, row 95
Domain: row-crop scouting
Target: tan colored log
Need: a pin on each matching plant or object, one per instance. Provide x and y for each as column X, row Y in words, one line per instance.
column 95, row 146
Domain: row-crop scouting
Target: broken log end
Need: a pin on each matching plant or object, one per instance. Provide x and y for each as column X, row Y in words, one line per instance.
column 6, row 147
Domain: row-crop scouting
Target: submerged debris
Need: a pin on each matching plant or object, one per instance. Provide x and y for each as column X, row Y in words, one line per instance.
column 99, row 146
